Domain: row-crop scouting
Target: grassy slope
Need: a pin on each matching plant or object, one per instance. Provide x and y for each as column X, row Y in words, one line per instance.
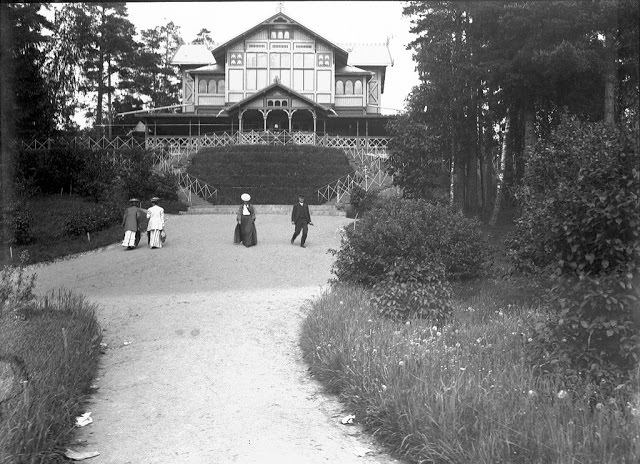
column 271, row 174
column 49, row 213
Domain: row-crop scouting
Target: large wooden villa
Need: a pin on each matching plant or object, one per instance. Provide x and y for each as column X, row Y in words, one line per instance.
column 277, row 77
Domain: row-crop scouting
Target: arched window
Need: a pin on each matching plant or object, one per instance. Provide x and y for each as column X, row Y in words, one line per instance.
column 269, row 102
column 357, row 88
column 348, row 88
column 202, row 86
column 280, row 35
column 286, row 35
column 211, row 87
column 339, row 88
column 221, row 86
column 277, row 102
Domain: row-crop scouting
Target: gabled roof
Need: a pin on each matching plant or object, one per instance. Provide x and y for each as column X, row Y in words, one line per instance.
column 269, row 88
column 352, row 70
column 208, row 69
column 193, row 54
column 277, row 18
column 369, row 54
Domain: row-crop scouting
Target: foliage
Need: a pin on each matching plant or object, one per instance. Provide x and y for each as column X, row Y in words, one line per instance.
column 413, row 290
column 417, row 159
column 397, row 230
column 100, row 217
column 54, row 345
column 463, row 392
column 28, row 97
column 20, row 218
column 270, row 174
column 363, row 200
column 16, row 287
column 580, row 224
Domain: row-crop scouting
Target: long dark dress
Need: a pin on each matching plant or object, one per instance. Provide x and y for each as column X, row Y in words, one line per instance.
column 246, row 232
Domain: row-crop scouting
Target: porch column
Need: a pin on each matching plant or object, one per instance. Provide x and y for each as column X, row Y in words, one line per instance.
column 315, row 136
column 290, row 114
column 366, row 133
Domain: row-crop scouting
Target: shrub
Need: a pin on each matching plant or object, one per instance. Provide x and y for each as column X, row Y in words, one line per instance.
column 21, row 219
column 97, row 218
column 580, row 224
column 398, row 230
column 413, row 290
column 363, row 200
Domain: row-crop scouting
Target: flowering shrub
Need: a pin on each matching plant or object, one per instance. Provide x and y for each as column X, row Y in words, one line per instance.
column 397, row 230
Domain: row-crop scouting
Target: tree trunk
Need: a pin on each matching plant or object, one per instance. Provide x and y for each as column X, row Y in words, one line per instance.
column 610, row 79
column 500, row 174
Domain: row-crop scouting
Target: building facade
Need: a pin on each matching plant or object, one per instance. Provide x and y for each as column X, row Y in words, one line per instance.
column 278, row 76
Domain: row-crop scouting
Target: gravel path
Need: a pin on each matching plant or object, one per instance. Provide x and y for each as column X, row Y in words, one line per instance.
column 203, row 364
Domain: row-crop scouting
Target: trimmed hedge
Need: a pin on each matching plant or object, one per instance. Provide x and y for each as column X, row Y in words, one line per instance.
column 270, row 174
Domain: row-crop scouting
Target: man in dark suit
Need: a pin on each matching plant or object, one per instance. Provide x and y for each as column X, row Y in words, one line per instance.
column 300, row 218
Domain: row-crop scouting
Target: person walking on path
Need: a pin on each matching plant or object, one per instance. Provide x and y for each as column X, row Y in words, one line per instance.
column 246, row 228
column 131, row 224
column 300, row 218
column 155, row 227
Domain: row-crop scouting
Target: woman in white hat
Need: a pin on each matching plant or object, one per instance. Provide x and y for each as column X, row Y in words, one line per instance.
column 246, row 218
column 155, row 227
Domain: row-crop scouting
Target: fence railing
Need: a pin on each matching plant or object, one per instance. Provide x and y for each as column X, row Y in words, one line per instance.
column 366, row 179
column 192, row 185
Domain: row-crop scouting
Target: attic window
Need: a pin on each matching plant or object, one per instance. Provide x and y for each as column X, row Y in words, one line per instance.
column 280, row 34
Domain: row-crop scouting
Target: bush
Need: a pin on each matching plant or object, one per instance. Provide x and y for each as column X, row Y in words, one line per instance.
column 97, row 218
column 580, row 224
column 397, row 230
column 413, row 290
column 21, row 219
column 362, row 200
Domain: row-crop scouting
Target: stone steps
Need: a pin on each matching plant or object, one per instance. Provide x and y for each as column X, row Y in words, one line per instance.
column 315, row 210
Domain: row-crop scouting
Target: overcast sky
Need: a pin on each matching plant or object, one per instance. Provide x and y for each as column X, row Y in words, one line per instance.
column 338, row 21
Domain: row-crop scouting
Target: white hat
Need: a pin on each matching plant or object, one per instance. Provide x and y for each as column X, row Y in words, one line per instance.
column 245, row 197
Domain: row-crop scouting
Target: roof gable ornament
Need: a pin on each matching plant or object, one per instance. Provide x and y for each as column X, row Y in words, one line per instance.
column 280, row 7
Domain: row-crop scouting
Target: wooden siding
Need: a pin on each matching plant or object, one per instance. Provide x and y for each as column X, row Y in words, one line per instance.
column 211, row 100
column 349, row 100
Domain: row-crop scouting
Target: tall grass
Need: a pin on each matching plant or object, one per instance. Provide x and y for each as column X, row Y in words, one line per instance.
column 52, row 347
column 464, row 393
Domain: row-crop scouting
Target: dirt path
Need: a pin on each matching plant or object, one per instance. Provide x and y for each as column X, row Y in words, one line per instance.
column 202, row 364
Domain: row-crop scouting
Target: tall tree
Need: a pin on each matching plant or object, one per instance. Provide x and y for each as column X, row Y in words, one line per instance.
column 31, row 103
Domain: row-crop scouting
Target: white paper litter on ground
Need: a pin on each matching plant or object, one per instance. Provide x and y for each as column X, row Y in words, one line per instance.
column 80, row 455
column 347, row 420
column 84, row 419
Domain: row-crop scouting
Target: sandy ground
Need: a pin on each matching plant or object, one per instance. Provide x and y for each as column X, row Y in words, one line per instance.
column 203, row 364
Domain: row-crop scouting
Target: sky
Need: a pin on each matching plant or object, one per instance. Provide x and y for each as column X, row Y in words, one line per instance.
column 340, row 22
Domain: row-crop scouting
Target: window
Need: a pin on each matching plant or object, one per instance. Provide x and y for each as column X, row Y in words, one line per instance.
column 357, row 87
column 348, row 88
column 256, row 79
column 221, row 86
column 211, row 86
column 303, row 60
column 303, row 79
column 280, row 60
column 339, row 88
column 256, row 60
column 324, row 60
column 202, row 86
column 280, row 34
